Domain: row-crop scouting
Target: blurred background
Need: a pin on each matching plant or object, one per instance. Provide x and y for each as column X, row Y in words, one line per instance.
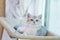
column 50, row 10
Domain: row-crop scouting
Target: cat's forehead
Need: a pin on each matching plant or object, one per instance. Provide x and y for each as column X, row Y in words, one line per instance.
column 35, row 17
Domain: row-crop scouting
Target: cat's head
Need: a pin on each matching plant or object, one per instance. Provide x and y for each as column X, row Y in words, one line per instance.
column 34, row 19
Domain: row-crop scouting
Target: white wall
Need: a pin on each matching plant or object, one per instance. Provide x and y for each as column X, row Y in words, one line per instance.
column 54, row 21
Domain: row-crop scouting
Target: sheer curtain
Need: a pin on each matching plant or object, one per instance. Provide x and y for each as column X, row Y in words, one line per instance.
column 18, row 8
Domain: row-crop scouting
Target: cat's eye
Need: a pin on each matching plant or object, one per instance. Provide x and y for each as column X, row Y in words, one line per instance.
column 36, row 20
column 31, row 19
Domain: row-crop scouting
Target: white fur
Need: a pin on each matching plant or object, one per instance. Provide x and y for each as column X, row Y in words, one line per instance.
column 28, row 27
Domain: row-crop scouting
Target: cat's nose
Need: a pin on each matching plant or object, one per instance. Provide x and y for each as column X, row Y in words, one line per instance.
column 34, row 22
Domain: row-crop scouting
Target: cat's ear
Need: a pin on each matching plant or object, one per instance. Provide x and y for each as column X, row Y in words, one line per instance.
column 40, row 16
column 28, row 15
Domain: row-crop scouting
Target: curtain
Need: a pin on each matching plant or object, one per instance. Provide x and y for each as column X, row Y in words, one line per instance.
column 19, row 8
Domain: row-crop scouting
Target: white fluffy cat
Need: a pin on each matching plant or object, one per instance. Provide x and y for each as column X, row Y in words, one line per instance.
column 33, row 24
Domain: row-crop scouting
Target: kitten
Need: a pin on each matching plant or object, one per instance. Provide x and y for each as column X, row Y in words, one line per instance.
column 34, row 23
